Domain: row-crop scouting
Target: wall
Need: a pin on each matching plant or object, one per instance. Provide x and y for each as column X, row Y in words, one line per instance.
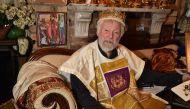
column 73, row 41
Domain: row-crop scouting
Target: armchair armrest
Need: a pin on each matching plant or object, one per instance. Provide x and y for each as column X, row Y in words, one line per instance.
column 54, row 56
column 147, row 52
column 49, row 51
column 38, row 84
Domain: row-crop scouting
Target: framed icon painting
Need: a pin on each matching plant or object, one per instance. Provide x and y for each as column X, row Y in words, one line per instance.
column 51, row 28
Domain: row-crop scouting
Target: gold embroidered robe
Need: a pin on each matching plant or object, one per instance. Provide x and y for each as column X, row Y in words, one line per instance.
column 111, row 81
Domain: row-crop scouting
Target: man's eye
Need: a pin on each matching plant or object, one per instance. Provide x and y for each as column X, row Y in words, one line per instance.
column 116, row 33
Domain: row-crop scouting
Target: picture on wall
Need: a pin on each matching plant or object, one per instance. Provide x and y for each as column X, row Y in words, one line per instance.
column 51, row 28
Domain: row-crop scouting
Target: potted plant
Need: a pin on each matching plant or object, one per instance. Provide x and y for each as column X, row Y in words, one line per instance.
column 20, row 17
column 5, row 24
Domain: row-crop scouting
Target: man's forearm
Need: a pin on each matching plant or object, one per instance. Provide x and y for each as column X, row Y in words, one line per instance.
column 82, row 95
column 164, row 79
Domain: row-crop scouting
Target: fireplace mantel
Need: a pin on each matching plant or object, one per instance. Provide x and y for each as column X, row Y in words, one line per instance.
column 86, row 7
column 81, row 16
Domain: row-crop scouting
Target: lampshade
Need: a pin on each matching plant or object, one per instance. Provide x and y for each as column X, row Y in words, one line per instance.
column 184, row 24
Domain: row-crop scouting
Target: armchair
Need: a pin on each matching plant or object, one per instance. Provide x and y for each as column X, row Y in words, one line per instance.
column 42, row 87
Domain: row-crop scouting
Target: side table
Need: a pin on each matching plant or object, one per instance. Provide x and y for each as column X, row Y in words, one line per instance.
column 175, row 101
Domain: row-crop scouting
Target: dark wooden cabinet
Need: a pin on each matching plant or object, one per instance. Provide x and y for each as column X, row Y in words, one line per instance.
column 10, row 63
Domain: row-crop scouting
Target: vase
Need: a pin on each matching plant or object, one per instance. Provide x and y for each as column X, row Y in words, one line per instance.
column 4, row 31
column 16, row 33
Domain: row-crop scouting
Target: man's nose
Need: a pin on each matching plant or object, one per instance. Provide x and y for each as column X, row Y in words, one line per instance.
column 111, row 35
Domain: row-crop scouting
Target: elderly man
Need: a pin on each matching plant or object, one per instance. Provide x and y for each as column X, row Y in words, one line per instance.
column 104, row 73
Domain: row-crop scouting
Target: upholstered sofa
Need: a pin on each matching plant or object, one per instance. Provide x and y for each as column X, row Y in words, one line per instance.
column 41, row 86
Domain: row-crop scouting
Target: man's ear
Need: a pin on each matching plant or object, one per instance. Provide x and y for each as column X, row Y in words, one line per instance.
column 97, row 33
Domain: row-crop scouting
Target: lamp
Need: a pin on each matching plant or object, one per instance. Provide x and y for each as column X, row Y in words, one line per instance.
column 184, row 25
column 187, row 44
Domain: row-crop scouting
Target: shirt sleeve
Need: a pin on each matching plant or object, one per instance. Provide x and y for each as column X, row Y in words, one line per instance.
column 150, row 77
column 82, row 95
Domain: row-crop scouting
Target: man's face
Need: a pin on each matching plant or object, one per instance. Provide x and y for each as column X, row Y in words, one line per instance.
column 109, row 35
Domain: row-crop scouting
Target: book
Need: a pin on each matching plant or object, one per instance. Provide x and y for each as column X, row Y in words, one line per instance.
column 183, row 90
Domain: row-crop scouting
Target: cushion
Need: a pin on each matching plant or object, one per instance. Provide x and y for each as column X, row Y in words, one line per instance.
column 164, row 60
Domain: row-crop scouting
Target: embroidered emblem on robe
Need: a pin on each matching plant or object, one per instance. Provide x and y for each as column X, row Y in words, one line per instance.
column 117, row 80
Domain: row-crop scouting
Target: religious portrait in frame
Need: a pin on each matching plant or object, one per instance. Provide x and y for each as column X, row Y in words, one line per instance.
column 51, row 28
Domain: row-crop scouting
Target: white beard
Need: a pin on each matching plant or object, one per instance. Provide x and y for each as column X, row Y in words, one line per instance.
column 107, row 46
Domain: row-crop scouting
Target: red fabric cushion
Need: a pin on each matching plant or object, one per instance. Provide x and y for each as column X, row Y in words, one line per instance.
column 164, row 60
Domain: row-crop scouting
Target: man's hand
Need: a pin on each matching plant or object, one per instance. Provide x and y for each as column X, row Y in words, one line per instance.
column 144, row 95
column 185, row 77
